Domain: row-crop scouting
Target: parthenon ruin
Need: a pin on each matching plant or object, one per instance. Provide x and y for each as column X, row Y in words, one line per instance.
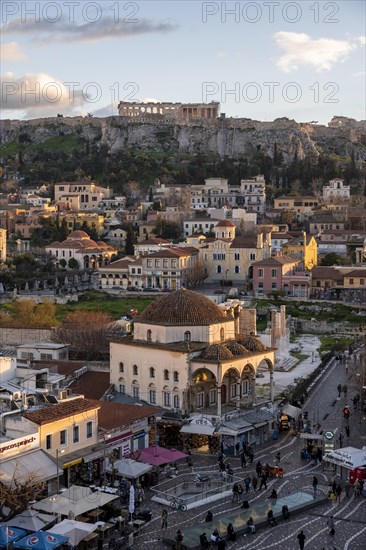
column 173, row 111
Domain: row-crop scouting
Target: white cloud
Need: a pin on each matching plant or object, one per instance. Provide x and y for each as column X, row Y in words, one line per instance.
column 361, row 74
column 38, row 95
column 11, row 52
column 220, row 55
column 303, row 50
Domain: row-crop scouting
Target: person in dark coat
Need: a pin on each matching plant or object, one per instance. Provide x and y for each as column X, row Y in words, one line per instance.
column 231, row 535
column 209, row 516
column 301, row 538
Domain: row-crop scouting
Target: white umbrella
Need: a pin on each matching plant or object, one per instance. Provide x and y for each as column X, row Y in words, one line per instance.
column 131, row 504
column 31, row 520
column 75, row 530
column 129, row 468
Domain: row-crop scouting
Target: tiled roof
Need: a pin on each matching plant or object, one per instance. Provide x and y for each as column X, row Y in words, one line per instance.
column 356, row 273
column 92, row 384
column 244, row 242
column 173, row 252
column 225, row 223
column 183, row 308
column 114, row 415
column 326, row 272
column 278, row 260
column 51, row 413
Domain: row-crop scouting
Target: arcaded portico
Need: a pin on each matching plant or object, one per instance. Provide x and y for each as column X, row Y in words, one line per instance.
column 189, row 354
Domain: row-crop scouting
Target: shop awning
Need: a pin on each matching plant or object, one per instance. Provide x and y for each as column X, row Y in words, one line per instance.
column 292, row 411
column 225, row 430
column 348, row 457
column 199, row 429
column 36, row 465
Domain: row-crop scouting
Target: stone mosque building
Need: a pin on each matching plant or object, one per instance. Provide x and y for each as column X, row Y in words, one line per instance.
column 190, row 355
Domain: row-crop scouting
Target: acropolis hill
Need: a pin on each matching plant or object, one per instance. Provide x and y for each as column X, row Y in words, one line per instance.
column 230, row 137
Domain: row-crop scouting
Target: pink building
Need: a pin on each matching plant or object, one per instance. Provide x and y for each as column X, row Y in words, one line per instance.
column 280, row 273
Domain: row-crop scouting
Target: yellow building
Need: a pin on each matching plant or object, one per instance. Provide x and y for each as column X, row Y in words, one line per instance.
column 67, row 430
column 304, row 248
column 302, row 207
column 92, row 219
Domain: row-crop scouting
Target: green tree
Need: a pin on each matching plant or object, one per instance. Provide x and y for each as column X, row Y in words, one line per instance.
column 73, row 264
column 130, row 241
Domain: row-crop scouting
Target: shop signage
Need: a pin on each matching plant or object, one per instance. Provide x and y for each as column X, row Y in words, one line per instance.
column 139, row 434
column 18, row 446
column 329, row 434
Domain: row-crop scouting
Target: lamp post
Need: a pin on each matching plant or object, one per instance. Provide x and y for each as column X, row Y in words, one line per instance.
column 57, row 463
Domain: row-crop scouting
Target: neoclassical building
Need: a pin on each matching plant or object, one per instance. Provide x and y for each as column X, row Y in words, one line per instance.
column 78, row 245
column 189, row 354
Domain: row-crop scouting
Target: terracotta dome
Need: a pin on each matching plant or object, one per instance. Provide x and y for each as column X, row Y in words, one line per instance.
column 236, row 348
column 183, row 308
column 252, row 343
column 217, row 352
column 76, row 235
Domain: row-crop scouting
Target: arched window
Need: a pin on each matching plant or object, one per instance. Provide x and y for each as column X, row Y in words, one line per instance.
column 222, row 334
column 148, row 335
column 187, row 336
column 237, row 269
column 176, row 401
column 121, row 367
column 166, row 374
column 219, row 269
column 135, row 370
column 176, row 376
column 152, row 372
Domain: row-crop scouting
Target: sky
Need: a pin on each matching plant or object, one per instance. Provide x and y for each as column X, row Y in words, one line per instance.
column 262, row 60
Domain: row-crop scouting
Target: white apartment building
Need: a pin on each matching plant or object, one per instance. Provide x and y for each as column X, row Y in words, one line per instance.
column 336, row 190
column 253, row 194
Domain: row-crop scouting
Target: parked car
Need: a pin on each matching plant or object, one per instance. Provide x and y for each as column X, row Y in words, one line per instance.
column 151, row 289
column 132, row 288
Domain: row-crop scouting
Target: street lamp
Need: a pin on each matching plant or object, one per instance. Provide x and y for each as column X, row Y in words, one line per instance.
column 105, row 459
column 58, row 478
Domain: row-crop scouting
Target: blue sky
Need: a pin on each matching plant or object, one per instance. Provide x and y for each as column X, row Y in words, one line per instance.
column 261, row 59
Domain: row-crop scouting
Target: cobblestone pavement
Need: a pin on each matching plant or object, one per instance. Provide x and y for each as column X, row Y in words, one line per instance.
column 349, row 514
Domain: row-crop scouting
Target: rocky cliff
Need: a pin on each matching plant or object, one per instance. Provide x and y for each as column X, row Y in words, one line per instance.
column 225, row 137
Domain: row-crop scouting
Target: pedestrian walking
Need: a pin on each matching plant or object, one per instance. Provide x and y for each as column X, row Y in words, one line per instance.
column 258, row 468
column 263, row 481
column 331, row 525
column 347, row 431
column 338, row 493
column 190, row 464
column 339, row 388
column 347, row 488
column 278, row 456
column 237, row 448
column 254, row 482
column 243, row 460
column 164, row 519
column 333, row 485
column 345, row 389
column 251, row 455
column 340, row 440
column 301, row 538
column 247, row 482
column 315, row 485
column 235, row 490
